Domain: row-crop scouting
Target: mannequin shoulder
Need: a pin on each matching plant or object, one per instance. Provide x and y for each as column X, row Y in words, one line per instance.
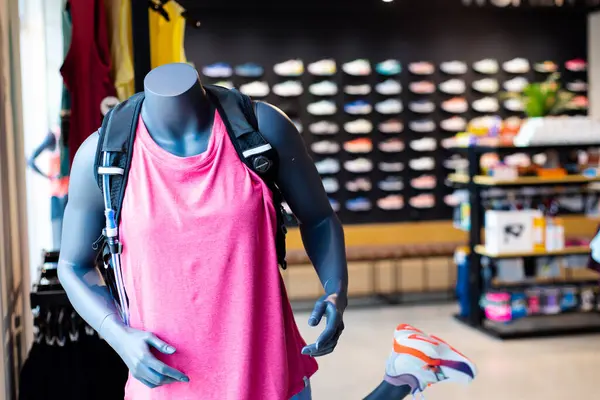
column 276, row 127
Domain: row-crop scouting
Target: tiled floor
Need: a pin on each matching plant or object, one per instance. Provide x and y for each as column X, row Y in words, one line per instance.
column 538, row 369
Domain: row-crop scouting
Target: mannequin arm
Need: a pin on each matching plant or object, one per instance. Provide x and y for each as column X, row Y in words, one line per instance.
column 48, row 144
column 321, row 230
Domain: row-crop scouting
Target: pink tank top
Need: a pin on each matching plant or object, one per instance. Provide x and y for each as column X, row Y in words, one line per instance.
column 201, row 273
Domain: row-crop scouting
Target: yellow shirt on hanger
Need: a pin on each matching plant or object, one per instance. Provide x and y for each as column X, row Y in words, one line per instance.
column 118, row 13
column 167, row 37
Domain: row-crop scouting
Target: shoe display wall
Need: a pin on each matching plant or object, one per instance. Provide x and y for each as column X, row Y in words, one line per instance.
column 378, row 111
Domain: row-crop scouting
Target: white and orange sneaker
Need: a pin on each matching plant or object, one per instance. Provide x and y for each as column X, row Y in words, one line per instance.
column 420, row 360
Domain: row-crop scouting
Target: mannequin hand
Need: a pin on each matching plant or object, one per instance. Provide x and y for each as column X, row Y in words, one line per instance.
column 142, row 364
column 332, row 307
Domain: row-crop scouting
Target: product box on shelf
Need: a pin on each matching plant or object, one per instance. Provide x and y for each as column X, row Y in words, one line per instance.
column 510, row 231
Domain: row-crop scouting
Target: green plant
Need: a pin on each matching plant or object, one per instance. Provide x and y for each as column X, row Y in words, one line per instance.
column 545, row 98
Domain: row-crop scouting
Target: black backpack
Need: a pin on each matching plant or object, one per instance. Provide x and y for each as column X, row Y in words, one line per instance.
column 115, row 146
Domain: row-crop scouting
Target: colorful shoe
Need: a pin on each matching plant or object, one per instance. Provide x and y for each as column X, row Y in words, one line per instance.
column 389, row 68
column 360, row 67
column 358, row 107
column 389, row 87
column 392, row 145
column 420, row 360
column 422, row 87
column 421, row 68
column 576, row 65
column 422, row 126
column 359, row 165
column 391, row 202
column 361, row 145
column 289, row 68
column 325, row 147
column 325, row 67
column 391, row 184
column 391, row 126
column 328, row 166
column 249, row 70
column 456, row 105
column 421, row 106
column 424, row 182
column 422, row 201
column 359, row 204
column 577, row 86
column 218, row 70
column 546, row 67
column 359, row 185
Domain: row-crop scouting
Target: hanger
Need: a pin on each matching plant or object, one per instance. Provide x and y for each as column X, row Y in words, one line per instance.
column 159, row 8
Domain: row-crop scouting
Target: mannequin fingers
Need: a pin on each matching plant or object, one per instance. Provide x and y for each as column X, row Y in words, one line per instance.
column 318, row 312
column 159, row 345
column 164, row 370
column 325, row 350
column 331, row 329
column 309, row 349
column 146, row 383
column 154, row 377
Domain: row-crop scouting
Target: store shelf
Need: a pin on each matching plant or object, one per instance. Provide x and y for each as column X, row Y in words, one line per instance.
column 484, row 180
column 533, row 148
column 574, row 323
column 567, row 251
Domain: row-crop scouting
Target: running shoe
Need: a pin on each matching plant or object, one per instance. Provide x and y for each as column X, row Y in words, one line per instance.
column 255, row 89
column 453, row 86
column 516, row 84
column 422, row 106
column 359, row 165
column 389, row 106
column 288, row 89
column 515, row 105
column 391, row 126
column 453, row 67
column 486, row 105
column 225, row 84
column 360, row 67
column 218, row 70
column 325, row 147
column 391, row 184
column 389, row 68
column 331, row 185
column 424, row 144
column 456, row 105
column 325, row 88
column 424, row 182
column 323, row 107
column 420, row 360
column 421, row 68
column 358, row 107
column 454, row 124
column 328, row 166
column 391, row 166
column 422, row 164
column 389, row 87
column 422, row 201
column 579, row 103
column 546, row 67
column 359, row 127
column 357, row 90
column 359, row 185
column 325, row 67
column 249, row 70
column 456, row 162
column 577, row 86
column 335, row 205
column 451, row 200
column 422, row 126
column 516, row 66
column 422, row 87
column 392, row 145
column 487, row 66
column 359, row 204
column 289, row 68
column 323, row 128
column 391, row 202
column 360, row 145
column 576, row 65
column 486, row 85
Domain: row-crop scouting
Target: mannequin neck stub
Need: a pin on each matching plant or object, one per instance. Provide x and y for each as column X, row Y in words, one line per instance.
column 176, row 109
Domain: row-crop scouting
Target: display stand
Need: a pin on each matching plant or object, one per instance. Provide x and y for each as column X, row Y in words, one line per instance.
column 530, row 326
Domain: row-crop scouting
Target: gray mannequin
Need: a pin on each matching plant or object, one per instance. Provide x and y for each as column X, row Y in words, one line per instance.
column 179, row 116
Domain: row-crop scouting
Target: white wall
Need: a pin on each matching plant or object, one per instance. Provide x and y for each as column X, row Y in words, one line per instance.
column 41, row 58
column 594, row 63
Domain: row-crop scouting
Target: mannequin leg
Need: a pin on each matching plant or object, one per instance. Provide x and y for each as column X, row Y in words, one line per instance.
column 306, row 394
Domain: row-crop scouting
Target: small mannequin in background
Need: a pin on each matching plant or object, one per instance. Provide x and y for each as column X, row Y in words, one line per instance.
column 59, row 180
